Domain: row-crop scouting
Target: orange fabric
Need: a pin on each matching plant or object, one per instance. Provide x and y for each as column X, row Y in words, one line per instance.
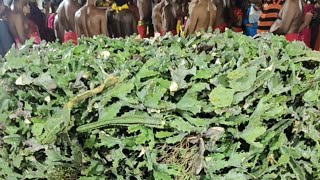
column 266, row 23
column 269, row 14
column 70, row 36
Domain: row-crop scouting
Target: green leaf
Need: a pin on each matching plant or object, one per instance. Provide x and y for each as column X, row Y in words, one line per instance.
column 245, row 80
column 163, row 134
column 250, row 134
column 45, row 81
column 178, row 75
column 179, row 124
column 284, row 159
column 221, row 97
column 154, row 90
column 24, row 80
column 14, row 140
column 175, row 139
column 110, row 112
column 107, row 140
column 238, row 73
column 189, row 102
column 55, row 125
column 311, row 96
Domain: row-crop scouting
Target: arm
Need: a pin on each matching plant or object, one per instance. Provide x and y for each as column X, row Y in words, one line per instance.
column 286, row 18
column 306, row 22
column 19, row 27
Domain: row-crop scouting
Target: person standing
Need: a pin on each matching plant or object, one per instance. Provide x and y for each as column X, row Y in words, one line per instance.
column 236, row 16
column 269, row 14
column 6, row 39
column 315, row 27
column 304, row 30
column 251, row 19
column 90, row 21
column 21, row 27
column 38, row 18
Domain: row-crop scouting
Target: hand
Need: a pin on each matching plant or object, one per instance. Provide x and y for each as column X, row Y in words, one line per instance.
column 249, row 25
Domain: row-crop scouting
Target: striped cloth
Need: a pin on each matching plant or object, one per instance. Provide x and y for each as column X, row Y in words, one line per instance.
column 269, row 14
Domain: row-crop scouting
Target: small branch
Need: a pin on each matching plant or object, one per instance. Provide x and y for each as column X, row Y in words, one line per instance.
column 109, row 81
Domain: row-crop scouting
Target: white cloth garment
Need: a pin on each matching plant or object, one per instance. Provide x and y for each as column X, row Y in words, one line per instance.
column 253, row 15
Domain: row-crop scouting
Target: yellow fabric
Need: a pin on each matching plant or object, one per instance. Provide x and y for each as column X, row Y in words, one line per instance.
column 178, row 28
column 119, row 8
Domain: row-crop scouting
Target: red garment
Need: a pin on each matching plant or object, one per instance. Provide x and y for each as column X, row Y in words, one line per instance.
column 142, row 30
column 237, row 13
column 305, row 34
column 292, row 37
column 51, row 20
column 221, row 27
column 237, row 29
column 34, row 32
column 70, row 36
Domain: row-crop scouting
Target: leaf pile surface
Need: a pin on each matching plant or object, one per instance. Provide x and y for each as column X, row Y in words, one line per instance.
column 212, row 106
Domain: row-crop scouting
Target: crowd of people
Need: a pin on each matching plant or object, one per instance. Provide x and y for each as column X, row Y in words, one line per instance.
column 66, row 20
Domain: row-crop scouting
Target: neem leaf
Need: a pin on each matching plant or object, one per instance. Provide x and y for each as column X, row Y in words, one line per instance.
column 221, row 97
column 250, row 134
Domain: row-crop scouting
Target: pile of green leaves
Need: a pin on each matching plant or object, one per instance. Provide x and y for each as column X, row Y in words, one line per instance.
column 211, row 106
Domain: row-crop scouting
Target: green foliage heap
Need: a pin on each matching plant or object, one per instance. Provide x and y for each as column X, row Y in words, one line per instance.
column 211, row 106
